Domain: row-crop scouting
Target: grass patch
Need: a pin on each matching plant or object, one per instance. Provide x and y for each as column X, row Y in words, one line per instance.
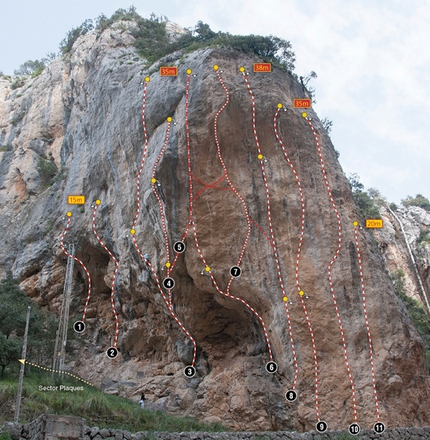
column 49, row 227
column 17, row 83
column 424, row 237
column 99, row 409
column 18, row 117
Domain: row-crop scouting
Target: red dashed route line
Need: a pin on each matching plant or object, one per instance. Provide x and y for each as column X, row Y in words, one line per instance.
column 339, row 245
column 190, row 176
column 237, row 298
column 154, row 190
column 302, row 231
column 269, row 216
column 257, row 226
column 145, row 151
column 168, row 300
column 369, row 337
column 112, row 290
column 227, row 100
column 66, row 230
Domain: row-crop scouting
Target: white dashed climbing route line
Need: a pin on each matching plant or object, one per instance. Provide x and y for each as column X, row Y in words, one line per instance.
column 66, row 230
column 299, row 247
column 192, row 223
column 339, row 245
column 112, row 290
column 166, row 300
column 145, row 152
column 227, row 99
column 155, row 185
column 25, row 362
column 369, row 337
column 272, row 235
column 154, row 182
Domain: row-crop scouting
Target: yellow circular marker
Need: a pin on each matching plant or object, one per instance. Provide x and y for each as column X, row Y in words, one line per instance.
column 304, row 114
column 242, row 69
column 189, row 71
column 207, row 269
column 169, row 119
column 355, row 223
column 98, row 202
column 132, row 231
column 153, row 180
column 147, row 79
column 216, row 67
column 168, row 264
column 69, row 214
column 260, row 156
column 301, row 293
column 285, row 298
column 279, row 105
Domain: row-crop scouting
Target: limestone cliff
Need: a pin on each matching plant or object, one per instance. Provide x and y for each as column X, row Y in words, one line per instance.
column 258, row 197
column 404, row 246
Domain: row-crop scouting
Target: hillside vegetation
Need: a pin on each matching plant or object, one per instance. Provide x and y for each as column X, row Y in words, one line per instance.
column 99, row 409
column 153, row 42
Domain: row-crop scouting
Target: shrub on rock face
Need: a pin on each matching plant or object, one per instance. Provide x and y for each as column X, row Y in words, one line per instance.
column 47, row 171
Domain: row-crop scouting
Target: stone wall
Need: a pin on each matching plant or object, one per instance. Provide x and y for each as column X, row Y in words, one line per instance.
column 50, row 427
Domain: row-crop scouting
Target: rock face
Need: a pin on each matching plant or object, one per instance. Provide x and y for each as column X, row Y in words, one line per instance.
column 86, row 115
column 392, row 244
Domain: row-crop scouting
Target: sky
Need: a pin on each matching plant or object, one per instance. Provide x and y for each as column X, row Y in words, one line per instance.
column 372, row 59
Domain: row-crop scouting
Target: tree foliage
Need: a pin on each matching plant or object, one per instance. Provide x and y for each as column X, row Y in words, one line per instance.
column 418, row 200
column 31, row 67
column 327, row 124
column 365, row 203
column 9, row 352
column 102, row 22
column 13, row 314
column 153, row 42
column 35, row 67
column 71, row 36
